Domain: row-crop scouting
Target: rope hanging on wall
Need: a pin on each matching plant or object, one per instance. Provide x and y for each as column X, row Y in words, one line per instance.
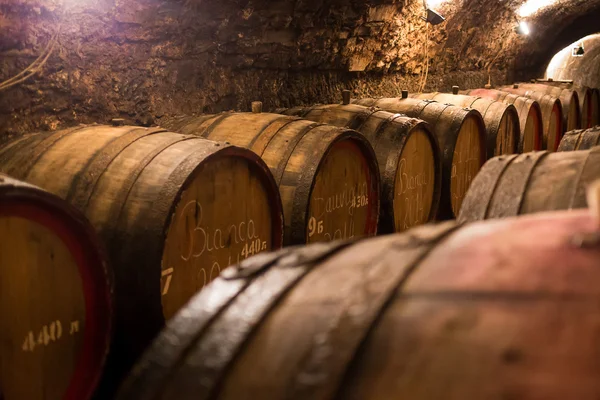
column 36, row 66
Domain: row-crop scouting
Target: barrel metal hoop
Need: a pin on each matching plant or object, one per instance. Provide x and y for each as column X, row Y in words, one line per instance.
column 10, row 158
column 383, row 125
column 271, row 130
column 280, row 169
column 590, row 170
column 439, row 115
column 477, row 202
column 85, row 181
column 320, row 367
column 588, row 139
column 510, row 198
column 206, row 133
column 361, row 118
column 116, row 211
column 218, row 346
column 42, row 147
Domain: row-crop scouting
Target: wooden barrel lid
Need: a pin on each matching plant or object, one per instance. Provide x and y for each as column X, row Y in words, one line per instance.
column 225, row 214
column 344, row 201
column 508, row 132
column 554, row 127
column 415, row 181
column 595, row 107
column 574, row 113
column 55, row 298
column 532, row 131
column 466, row 162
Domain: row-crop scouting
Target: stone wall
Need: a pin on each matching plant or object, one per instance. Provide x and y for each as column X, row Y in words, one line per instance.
column 144, row 60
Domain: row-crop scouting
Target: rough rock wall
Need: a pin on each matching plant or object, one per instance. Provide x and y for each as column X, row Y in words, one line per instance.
column 144, row 60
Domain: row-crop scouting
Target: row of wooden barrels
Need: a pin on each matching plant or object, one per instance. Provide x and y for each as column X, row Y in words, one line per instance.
column 500, row 308
column 173, row 209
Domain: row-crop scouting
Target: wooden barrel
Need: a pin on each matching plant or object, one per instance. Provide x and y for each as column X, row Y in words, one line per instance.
column 408, row 155
column 581, row 139
column 56, row 290
column 589, row 101
column 530, row 116
column 501, row 120
column 488, row 310
column 569, row 100
column 328, row 177
column 551, row 114
column 461, row 136
column 530, row 183
column 171, row 209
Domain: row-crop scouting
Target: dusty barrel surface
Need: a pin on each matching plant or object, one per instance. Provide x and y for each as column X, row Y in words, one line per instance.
column 581, row 139
column 408, row 155
column 56, row 290
column 437, row 295
column 551, row 112
column 569, row 100
column 461, row 136
column 530, row 117
column 530, row 183
column 328, row 176
column 171, row 209
column 588, row 101
column 501, row 120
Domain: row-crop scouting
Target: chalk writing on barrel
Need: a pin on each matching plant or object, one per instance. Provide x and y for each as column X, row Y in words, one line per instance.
column 47, row 334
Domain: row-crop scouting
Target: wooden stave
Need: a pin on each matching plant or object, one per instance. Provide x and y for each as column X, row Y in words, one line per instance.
column 101, row 274
column 446, row 130
column 581, row 139
column 525, row 107
column 139, row 317
column 160, row 370
column 271, row 124
column 568, row 98
column 493, row 113
column 531, row 183
column 386, row 134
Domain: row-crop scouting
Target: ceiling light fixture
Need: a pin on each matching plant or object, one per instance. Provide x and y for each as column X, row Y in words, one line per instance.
column 523, row 28
column 433, row 17
column 578, row 50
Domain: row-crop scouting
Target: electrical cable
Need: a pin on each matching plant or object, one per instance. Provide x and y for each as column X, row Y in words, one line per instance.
column 35, row 66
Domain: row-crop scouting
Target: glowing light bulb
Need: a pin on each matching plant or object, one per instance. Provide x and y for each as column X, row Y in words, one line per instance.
column 524, row 28
column 532, row 6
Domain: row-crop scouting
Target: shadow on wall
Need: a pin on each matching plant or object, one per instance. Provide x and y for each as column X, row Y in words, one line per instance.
column 584, row 70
